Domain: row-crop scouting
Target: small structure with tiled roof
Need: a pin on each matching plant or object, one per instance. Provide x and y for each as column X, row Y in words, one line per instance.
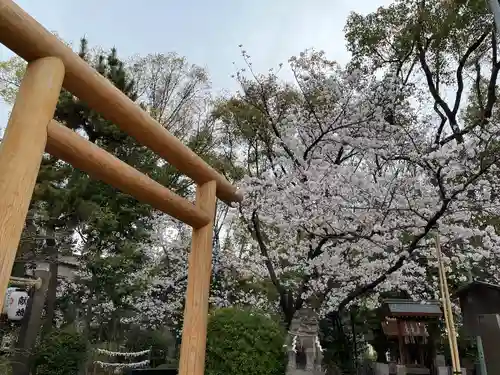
column 406, row 323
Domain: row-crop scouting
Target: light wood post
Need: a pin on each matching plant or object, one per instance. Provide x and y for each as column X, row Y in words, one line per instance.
column 448, row 313
column 82, row 154
column 194, row 333
column 21, row 152
column 24, row 36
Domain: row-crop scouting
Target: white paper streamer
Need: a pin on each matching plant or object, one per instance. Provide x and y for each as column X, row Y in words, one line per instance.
column 119, row 354
column 117, row 367
column 294, row 344
column 318, row 344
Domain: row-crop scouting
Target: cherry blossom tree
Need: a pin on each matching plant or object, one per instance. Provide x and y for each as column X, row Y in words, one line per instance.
column 155, row 291
column 164, row 278
column 347, row 182
column 152, row 294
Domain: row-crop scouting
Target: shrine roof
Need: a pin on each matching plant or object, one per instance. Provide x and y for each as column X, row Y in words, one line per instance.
column 409, row 308
column 474, row 286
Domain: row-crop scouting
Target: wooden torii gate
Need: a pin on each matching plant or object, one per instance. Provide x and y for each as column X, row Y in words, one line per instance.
column 31, row 131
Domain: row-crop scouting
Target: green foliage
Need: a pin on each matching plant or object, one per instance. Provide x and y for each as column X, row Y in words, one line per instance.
column 5, row 366
column 337, row 344
column 161, row 342
column 247, row 123
column 113, row 226
column 244, row 342
column 62, row 352
column 391, row 35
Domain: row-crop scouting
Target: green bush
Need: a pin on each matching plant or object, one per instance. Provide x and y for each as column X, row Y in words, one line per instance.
column 161, row 342
column 5, row 366
column 244, row 342
column 62, row 352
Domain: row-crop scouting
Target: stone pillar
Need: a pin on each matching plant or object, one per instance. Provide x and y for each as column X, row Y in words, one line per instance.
column 445, row 370
column 292, row 363
column 381, row 368
column 304, row 330
column 310, row 359
column 489, row 330
column 439, row 361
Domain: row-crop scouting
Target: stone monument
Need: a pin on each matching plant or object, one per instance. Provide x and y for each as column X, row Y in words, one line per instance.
column 304, row 350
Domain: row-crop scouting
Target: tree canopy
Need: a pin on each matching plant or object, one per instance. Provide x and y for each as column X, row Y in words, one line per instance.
column 348, row 174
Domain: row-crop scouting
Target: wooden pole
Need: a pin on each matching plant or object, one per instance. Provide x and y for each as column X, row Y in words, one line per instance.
column 21, row 153
column 36, row 283
column 194, row 333
column 446, row 306
column 445, row 313
column 453, row 333
column 67, row 145
column 26, row 37
column 450, row 325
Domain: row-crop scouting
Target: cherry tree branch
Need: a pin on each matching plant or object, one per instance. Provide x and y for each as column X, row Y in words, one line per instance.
column 256, row 229
column 459, row 73
column 361, row 290
column 491, row 97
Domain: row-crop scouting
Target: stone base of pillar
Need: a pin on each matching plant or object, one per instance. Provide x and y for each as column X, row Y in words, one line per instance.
column 381, row 368
column 445, row 370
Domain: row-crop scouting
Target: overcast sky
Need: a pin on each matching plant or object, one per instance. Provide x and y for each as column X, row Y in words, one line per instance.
column 206, row 32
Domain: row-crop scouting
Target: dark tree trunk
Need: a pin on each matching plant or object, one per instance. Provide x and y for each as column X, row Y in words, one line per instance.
column 354, row 339
column 288, row 319
column 51, row 298
column 337, row 344
column 52, row 287
column 380, row 348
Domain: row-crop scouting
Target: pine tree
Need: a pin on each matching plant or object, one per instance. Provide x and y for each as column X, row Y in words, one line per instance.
column 109, row 228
